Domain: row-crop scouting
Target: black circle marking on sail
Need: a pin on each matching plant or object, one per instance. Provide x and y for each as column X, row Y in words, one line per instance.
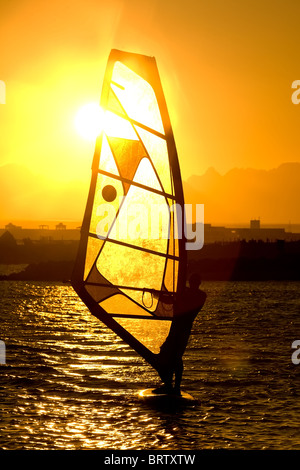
column 109, row 193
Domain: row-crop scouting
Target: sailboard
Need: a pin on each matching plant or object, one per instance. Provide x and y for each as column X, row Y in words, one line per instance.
column 150, row 394
column 131, row 262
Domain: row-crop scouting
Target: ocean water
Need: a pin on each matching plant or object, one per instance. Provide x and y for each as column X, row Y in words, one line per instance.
column 70, row 383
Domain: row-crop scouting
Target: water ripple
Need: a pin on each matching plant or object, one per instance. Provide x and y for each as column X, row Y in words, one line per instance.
column 70, row 383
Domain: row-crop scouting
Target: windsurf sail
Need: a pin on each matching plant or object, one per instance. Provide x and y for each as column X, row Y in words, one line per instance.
column 131, row 263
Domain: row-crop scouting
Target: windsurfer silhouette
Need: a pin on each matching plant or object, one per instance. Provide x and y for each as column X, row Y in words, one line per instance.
column 172, row 350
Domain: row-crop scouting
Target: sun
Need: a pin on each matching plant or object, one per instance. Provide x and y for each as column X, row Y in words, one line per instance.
column 89, row 121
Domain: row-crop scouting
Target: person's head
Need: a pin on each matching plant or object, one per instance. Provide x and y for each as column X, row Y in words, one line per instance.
column 194, row 281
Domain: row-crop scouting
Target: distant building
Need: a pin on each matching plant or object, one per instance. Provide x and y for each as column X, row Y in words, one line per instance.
column 255, row 224
column 214, row 234
column 12, row 227
column 43, row 233
column 263, row 234
column 60, row 226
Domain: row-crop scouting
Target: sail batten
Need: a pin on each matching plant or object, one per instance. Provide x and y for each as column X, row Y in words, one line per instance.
column 140, row 317
column 139, row 124
column 136, row 247
column 131, row 260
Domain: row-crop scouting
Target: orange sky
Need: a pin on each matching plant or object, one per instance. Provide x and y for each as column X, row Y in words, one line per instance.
column 226, row 69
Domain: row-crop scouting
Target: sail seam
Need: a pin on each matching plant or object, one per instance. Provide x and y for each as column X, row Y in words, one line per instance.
column 118, row 85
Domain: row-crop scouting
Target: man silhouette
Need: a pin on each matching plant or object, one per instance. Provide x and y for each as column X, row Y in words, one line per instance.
column 171, row 352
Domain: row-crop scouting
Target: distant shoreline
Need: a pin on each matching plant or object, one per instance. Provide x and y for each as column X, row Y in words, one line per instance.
column 74, row 225
column 44, row 271
column 217, row 269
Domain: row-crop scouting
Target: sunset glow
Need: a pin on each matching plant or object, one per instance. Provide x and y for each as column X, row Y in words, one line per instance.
column 228, row 87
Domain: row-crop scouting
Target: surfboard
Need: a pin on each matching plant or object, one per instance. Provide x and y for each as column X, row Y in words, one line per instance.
column 150, row 395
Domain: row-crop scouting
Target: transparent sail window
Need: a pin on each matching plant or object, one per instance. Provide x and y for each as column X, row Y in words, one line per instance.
column 137, row 97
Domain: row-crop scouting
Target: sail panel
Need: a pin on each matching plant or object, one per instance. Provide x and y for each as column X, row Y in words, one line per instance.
column 143, row 330
column 137, row 97
column 144, row 216
column 99, row 295
column 108, row 196
column 118, row 126
column 107, row 161
column 114, row 105
column 157, row 150
column 127, row 153
column 145, row 175
column 171, row 275
column 121, row 305
column 129, row 267
column 94, row 246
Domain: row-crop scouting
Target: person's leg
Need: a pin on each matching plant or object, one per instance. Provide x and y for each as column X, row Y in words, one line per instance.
column 178, row 375
column 167, row 378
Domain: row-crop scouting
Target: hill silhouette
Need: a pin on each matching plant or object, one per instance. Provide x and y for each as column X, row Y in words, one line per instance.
column 242, row 194
column 236, row 197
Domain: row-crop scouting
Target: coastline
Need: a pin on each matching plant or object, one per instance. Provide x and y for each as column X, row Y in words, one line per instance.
column 282, row 268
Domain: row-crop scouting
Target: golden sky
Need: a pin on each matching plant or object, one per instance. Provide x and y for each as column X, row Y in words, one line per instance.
column 226, row 67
